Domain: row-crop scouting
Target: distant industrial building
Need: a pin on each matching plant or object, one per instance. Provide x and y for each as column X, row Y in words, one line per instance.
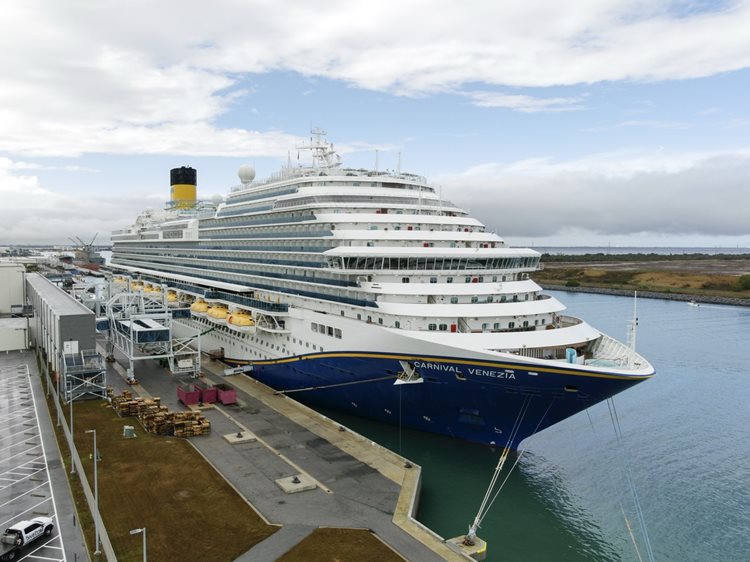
column 14, row 326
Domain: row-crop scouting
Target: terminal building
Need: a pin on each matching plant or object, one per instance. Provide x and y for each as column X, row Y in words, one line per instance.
column 64, row 332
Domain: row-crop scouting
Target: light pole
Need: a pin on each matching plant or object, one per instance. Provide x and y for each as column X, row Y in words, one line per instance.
column 96, row 492
column 141, row 530
column 72, row 438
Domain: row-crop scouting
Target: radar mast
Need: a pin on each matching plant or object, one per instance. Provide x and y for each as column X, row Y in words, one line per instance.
column 323, row 154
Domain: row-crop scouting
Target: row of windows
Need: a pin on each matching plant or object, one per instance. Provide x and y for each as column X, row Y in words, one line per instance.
column 437, row 263
column 266, row 218
column 467, row 279
column 490, row 298
column 326, row 330
column 310, row 200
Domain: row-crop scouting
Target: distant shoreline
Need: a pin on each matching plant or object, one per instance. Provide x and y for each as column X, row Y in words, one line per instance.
column 705, row 299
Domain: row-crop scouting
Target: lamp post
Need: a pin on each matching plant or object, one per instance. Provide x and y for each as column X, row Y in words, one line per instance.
column 72, row 438
column 141, row 530
column 96, row 492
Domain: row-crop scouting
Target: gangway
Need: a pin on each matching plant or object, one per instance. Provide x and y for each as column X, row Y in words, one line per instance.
column 83, row 374
column 140, row 327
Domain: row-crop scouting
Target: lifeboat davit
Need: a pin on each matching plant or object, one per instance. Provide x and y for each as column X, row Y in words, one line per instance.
column 199, row 308
column 218, row 313
column 241, row 320
column 148, row 288
column 136, row 286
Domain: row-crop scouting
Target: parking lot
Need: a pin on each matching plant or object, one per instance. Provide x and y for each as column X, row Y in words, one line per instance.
column 25, row 490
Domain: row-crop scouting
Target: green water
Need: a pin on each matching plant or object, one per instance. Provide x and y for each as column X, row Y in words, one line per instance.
column 686, row 446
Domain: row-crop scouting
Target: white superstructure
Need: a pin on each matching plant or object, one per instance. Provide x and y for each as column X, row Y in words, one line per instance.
column 328, row 259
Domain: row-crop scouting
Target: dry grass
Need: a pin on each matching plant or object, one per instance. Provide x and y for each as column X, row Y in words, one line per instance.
column 341, row 545
column 163, row 484
column 658, row 280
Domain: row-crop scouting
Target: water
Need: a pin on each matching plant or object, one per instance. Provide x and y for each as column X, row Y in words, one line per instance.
column 686, row 445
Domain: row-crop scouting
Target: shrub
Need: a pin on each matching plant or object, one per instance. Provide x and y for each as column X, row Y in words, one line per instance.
column 743, row 283
column 572, row 283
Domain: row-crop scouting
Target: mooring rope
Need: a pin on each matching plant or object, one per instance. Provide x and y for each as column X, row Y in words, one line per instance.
column 619, row 499
column 503, row 456
column 518, row 459
column 334, row 385
column 629, row 477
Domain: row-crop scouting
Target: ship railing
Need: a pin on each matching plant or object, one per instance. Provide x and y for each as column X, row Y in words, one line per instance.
column 567, row 321
column 247, row 301
column 608, row 349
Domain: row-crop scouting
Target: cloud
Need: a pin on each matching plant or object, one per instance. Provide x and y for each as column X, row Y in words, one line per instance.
column 154, row 78
column 626, row 194
column 526, row 104
column 35, row 214
column 655, row 124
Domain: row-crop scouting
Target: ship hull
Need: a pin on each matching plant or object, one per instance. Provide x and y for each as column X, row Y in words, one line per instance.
column 475, row 401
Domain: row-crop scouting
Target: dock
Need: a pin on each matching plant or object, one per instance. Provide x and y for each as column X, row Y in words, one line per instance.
column 344, row 479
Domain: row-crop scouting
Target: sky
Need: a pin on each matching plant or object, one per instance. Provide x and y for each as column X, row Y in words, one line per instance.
column 593, row 122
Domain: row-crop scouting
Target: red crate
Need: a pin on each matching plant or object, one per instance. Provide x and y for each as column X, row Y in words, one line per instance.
column 226, row 394
column 188, row 396
column 209, row 394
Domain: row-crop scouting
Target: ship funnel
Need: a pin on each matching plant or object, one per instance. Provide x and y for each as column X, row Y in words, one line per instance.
column 183, row 181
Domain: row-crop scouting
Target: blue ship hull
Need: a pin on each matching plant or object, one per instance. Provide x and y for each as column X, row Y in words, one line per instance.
column 476, row 401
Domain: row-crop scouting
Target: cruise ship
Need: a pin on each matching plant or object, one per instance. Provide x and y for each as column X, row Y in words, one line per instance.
column 364, row 291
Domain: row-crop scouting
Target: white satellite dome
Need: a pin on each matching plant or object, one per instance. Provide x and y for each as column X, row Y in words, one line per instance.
column 246, row 173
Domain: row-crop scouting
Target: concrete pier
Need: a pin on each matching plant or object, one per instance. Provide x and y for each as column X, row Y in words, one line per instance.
column 345, row 480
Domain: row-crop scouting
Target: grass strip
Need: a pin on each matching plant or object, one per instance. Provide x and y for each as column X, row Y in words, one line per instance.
column 327, row 544
column 162, row 483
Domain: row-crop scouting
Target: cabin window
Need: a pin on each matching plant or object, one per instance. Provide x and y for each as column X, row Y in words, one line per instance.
column 449, row 280
column 511, row 325
column 380, row 321
column 497, row 326
column 443, row 327
column 432, row 327
column 404, row 279
column 433, row 279
column 397, row 324
column 474, row 299
column 454, row 300
column 337, row 333
column 314, row 327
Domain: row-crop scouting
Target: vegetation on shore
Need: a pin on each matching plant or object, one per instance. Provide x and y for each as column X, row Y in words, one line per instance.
column 619, row 258
column 644, row 274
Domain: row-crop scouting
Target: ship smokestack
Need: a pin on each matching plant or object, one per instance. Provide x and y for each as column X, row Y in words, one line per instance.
column 183, row 181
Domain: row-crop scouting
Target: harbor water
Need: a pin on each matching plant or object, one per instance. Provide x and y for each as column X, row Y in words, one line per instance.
column 685, row 448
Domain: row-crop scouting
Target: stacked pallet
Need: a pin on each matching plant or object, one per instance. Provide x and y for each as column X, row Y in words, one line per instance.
column 190, row 424
column 157, row 419
column 126, row 405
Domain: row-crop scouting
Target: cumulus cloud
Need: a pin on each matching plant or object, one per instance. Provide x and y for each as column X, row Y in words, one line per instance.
column 611, row 194
column 153, row 78
column 35, row 214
